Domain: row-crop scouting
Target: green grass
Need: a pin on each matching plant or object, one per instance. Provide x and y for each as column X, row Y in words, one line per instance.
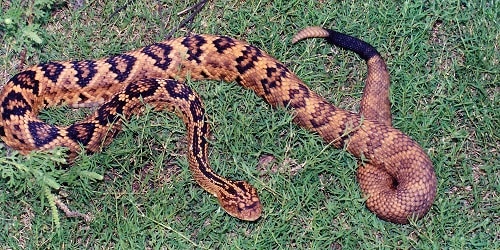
column 444, row 62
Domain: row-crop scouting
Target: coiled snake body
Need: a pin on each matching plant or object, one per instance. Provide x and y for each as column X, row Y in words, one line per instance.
column 397, row 179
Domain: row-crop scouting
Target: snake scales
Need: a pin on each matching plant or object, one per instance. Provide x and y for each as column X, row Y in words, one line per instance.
column 397, row 177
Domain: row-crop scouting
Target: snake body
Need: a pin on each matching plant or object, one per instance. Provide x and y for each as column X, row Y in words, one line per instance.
column 397, row 177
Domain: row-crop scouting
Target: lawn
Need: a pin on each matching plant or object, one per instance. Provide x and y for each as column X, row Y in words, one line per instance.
column 444, row 61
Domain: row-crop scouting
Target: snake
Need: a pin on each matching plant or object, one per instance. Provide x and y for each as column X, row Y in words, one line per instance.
column 395, row 175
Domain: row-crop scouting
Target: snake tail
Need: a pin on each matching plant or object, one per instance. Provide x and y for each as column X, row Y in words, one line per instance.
column 398, row 178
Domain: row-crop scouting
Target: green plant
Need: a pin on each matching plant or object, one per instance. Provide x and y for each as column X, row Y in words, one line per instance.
column 20, row 23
